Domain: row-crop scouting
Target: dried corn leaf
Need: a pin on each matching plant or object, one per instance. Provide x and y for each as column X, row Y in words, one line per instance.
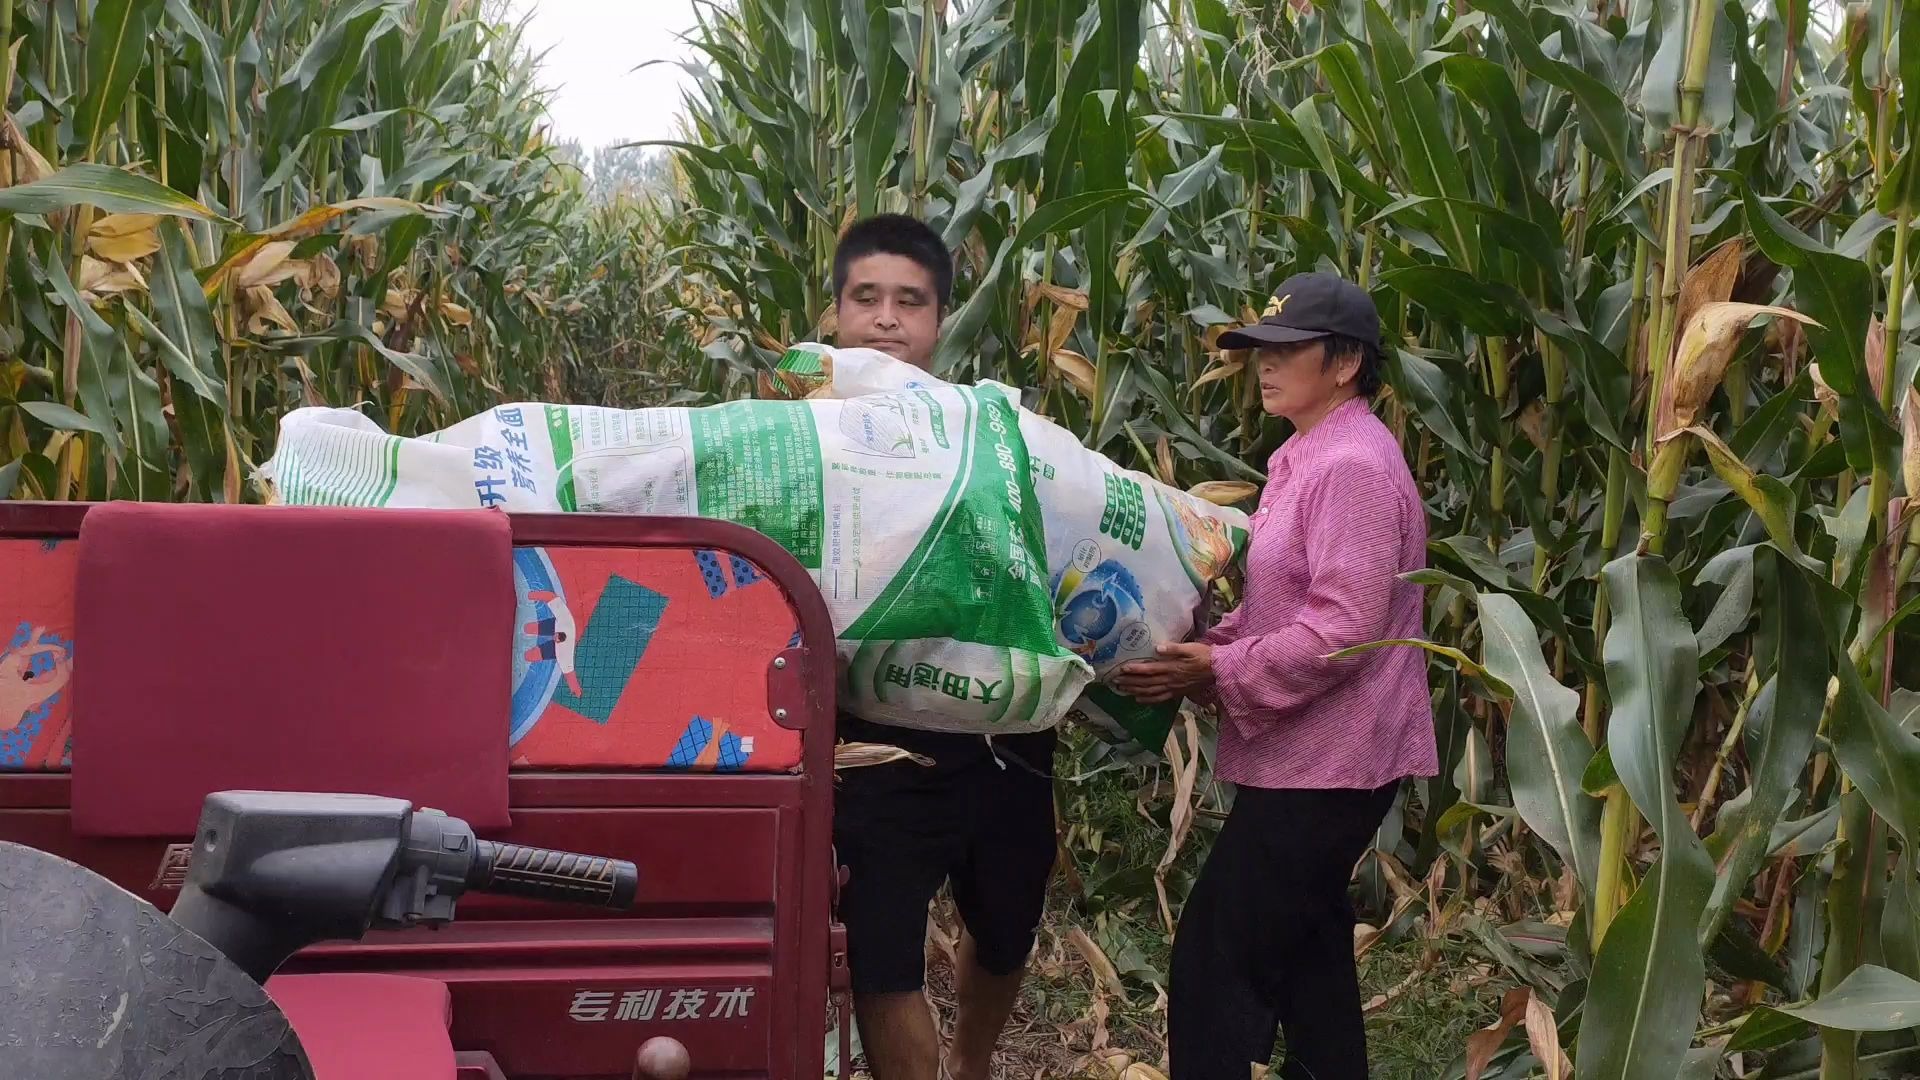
column 326, row 276
column 264, row 312
column 1077, row 370
column 1824, row 394
column 1231, row 363
column 271, row 264
column 1543, row 1036
column 1365, row 935
column 309, row 223
column 1097, row 1024
column 29, row 166
column 1789, row 340
column 101, row 279
column 309, row 383
column 367, row 249
column 1103, row 969
column 1186, row 774
column 455, row 314
column 1163, row 459
column 1483, row 1044
column 122, row 238
column 397, row 303
column 1533, row 423
column 976, row 249
column 1059, row 295
column 1876, row 358
column 1060, row 328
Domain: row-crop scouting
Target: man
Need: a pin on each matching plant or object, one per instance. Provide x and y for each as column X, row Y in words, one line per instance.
column 1316, row 747
column 981, row 817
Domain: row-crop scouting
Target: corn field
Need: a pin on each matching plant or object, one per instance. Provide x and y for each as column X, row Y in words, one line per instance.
column 217, row 210
column 1645, row 269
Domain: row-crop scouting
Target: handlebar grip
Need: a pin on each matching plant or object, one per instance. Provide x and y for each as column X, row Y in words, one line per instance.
column 564, row 876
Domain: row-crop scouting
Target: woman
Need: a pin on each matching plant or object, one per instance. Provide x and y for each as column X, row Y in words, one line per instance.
column 1317, row 747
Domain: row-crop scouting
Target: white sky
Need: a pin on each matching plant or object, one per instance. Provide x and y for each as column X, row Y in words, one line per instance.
column 592, row 47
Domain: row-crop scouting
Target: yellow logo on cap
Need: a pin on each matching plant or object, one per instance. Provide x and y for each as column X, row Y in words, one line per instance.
column 1274, row 305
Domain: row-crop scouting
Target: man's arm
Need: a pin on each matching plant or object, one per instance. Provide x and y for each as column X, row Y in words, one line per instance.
column 1355, row 533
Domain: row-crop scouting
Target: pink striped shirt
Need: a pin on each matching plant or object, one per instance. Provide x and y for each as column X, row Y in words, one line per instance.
column 1339, row 521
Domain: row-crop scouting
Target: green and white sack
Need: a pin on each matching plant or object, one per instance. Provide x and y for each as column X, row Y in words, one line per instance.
column 914, row 512
column 1129, row 559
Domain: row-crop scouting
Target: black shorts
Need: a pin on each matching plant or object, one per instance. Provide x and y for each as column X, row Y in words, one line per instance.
column 980, row 817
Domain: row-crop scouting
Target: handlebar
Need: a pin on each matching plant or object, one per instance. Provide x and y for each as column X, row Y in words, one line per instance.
column 272, row 872
column 542, row 874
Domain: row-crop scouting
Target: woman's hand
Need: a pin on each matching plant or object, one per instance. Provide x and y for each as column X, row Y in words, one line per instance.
column 1180, row 670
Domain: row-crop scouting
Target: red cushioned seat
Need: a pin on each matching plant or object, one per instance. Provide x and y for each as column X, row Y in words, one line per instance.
column 369, row 1027
column 289, row 648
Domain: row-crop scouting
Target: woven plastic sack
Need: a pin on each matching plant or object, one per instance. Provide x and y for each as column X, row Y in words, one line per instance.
column 914, row 511
column 1129, row 559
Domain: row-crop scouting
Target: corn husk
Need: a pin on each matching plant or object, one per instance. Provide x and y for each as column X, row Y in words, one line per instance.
column 1910, row 443
column 1701, row 361
column 1876, row 358
column 1824, row 394
column 1711, row 280
column 1224, row 492
column 1875, row 363
column 859, row 755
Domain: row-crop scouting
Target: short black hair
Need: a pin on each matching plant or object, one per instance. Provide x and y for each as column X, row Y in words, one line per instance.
column 895, row 234
column 1340, row 346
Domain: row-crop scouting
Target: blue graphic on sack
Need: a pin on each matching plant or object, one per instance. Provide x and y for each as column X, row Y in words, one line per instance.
column 1100, row 613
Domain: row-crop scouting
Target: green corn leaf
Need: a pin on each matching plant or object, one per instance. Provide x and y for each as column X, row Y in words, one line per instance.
column 1547, row 750
column 876, row 133
column 1834, row 291
column 1431, row 162
column 1881, row 759
column 1649, row 976
column 1872, row 998
column 1787, row 713
column 97, row 343
column 116, row 53
column 61, row 418
column 112, row 190
column 1603, row 115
